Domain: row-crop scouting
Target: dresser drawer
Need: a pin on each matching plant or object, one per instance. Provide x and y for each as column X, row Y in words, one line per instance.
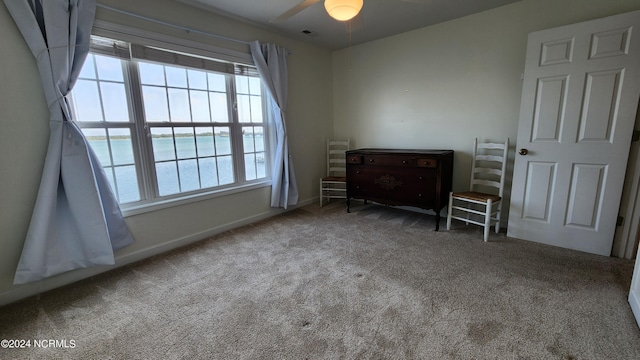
column 354, row 159
column 404, row 185
column 428, row 163
column 382, row 160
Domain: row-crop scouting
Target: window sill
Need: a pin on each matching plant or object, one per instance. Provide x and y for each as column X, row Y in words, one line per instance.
column 147, row 207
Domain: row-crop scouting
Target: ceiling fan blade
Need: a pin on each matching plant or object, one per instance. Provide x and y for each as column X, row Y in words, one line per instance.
column 294, row 10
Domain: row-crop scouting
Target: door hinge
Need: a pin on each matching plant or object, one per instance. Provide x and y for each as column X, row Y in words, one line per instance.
column 620, row 221
column 636, row 135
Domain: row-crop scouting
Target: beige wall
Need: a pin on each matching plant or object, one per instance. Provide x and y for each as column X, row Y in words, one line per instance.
column 441, row 86
column 24, row 137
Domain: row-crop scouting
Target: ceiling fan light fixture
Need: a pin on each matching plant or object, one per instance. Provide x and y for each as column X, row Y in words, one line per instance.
column 343, row 10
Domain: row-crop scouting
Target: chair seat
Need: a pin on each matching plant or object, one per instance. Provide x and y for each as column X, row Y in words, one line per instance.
column 477, row 196
column 335, row 178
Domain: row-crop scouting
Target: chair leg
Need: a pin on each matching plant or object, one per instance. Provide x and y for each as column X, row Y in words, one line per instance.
column 468, row 213
column 487, row 220
column 449, row 210
column 498, row 215
column 321, row 193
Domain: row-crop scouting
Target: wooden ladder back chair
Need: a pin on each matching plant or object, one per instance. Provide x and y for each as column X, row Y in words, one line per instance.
column 482, row 204
column 334, row 185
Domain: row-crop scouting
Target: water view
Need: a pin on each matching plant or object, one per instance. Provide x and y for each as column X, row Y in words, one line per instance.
column 189, row 163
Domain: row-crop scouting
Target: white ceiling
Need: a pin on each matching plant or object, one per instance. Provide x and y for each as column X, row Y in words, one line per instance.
column 378, row 18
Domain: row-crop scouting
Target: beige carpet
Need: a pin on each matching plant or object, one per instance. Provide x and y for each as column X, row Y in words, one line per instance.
column 318, row 283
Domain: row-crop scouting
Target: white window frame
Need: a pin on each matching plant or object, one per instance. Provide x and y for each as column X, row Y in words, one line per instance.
column 147, row 193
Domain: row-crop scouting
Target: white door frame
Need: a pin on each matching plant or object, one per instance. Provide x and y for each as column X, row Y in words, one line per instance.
column 626, row 237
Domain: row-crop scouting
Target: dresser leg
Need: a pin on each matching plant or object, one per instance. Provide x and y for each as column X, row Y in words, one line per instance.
column 348, row 203
column 437, row 221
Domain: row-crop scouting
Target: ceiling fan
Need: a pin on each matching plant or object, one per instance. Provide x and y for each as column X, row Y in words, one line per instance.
column 341, row 10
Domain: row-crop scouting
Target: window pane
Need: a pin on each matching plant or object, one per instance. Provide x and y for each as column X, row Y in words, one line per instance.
column 109, row 68
column 247, row 139
column 98, row 140
column 179, row 105
column 86, row 101
column 258, row 134
column 88, row 70
column 223, row 141
column 155, row 103
column 217, row 82
column 127, row 183
column 256, row 109
column 225, row 170
column 189, row 179
column 151, row 74
column 167, row 174
column 121, row 147
column 250, row 166
column 254, row 86
column 185, row 143
column 254, row 157
column 197, row 79
column 176, row 76
column 162, row 141
column 114, row 100
column 199, row 106
column 208, row 172
column 219, row 110
column 204, row 141
column 244, row 108
column 123, row 179
column 242, row 84
column 261, row 169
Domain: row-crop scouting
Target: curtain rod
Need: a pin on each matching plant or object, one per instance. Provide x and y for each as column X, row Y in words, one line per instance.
column 188, row 30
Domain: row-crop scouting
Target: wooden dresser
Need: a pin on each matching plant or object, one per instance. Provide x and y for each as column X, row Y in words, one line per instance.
column 418, row 178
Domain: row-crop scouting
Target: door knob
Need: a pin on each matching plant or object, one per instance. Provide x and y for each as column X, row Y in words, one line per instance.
column 523, row 151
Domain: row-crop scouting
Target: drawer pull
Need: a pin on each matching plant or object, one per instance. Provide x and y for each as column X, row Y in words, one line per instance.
column 420, row 178
column 404, row 161
column 357, row 171
column 370, row 160
column 354, row 159
column 419, row 195
column 430, row 163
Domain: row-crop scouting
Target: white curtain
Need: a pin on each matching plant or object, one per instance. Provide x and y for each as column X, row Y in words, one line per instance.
column 271, row 62
column 76, row 221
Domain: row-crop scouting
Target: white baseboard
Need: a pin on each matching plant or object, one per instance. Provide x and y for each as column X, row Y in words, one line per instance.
column 20, row 292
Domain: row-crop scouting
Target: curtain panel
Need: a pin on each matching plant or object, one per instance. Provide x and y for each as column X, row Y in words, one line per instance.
column 271, row 62
column 76, row 221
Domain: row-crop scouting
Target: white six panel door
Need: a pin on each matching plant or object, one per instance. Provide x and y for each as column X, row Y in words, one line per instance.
column 579, row 100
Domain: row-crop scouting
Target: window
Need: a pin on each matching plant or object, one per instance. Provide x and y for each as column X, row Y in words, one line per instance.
column 167, row 124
